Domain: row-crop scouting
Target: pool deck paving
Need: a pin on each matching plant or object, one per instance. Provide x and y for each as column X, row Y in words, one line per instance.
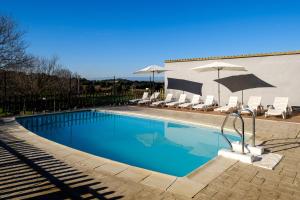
column 34, row 167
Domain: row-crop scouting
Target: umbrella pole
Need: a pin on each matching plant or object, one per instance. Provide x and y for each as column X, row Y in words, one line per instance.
column 153, row 81
column 242, row 97
column 150, row 83
column 219, row 103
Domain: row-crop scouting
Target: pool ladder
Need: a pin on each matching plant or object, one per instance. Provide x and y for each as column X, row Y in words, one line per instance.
column 242, row 133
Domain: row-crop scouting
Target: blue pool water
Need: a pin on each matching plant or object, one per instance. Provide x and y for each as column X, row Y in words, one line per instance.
column 157, row 145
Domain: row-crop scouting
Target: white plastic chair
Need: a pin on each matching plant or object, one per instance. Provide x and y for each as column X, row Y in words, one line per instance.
column 144, row 97
column 168, row 99
column 153, row 97
column 209, row 102
column 181, row 100
column 232, row 105
column 195, row 100
column 253, row 104
column 280, row 107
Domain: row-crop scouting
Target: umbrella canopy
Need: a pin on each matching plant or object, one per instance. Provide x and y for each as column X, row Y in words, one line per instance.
column 185, row 85
column 243, row 82
column 218, row 66
column 151, row 69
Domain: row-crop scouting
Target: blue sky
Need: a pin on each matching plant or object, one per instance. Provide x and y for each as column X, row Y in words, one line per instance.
column 106, row 38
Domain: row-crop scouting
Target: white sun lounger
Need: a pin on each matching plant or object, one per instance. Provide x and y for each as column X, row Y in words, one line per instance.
column 181, row 100
column 232, row 105
column 253, row 104
column 144, row 97
column 153, row 97
column 168, row 99
column 209, row 102
column 280, row 107
column 195, row 100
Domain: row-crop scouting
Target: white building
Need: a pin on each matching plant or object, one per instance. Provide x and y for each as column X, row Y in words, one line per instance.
column 281, row 69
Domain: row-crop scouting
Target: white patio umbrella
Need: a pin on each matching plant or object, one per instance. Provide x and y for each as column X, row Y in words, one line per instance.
column 151, row 69
column 218, row 66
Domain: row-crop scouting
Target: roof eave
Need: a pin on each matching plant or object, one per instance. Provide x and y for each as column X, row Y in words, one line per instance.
column 234, row 57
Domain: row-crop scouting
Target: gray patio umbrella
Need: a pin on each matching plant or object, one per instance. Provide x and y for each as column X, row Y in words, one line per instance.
column 219, row 66
column 185, row 85
column 242, row 82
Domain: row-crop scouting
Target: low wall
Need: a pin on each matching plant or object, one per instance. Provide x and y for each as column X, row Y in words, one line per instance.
column 282, row 71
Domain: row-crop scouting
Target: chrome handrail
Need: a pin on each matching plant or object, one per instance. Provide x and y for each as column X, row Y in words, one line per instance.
column 222, row 131
column 253, row 113
column 234, row 127
column 242, row 135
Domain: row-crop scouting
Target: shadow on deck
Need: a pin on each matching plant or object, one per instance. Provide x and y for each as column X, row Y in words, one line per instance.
column 26, row 172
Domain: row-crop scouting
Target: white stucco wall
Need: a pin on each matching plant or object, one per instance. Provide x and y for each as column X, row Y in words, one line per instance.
column 282, row 71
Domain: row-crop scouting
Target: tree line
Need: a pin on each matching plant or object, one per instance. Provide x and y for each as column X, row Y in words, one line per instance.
column 32, row 81
column 26, row 74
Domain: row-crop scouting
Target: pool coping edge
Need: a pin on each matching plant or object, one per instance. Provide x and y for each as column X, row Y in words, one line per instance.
column 106, row 166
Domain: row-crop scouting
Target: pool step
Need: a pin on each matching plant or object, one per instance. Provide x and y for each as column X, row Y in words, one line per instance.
column 256, row 151
column 245, row 158
column 250, row 155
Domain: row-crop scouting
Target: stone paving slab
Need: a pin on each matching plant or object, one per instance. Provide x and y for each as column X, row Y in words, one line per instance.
column 268, row 161
column 211, row 170
column 135, row 174
column 162, row 181
column 112, row 168
column 186, row 187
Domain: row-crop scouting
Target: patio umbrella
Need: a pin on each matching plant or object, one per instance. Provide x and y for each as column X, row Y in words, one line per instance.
column 185, row 85
column 242, row 82
column 151, row 69
column 218, row 66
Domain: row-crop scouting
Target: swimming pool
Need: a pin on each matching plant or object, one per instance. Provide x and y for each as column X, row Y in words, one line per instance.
column 163, row 146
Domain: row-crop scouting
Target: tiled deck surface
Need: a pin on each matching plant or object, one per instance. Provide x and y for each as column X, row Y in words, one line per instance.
column 35, row 168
